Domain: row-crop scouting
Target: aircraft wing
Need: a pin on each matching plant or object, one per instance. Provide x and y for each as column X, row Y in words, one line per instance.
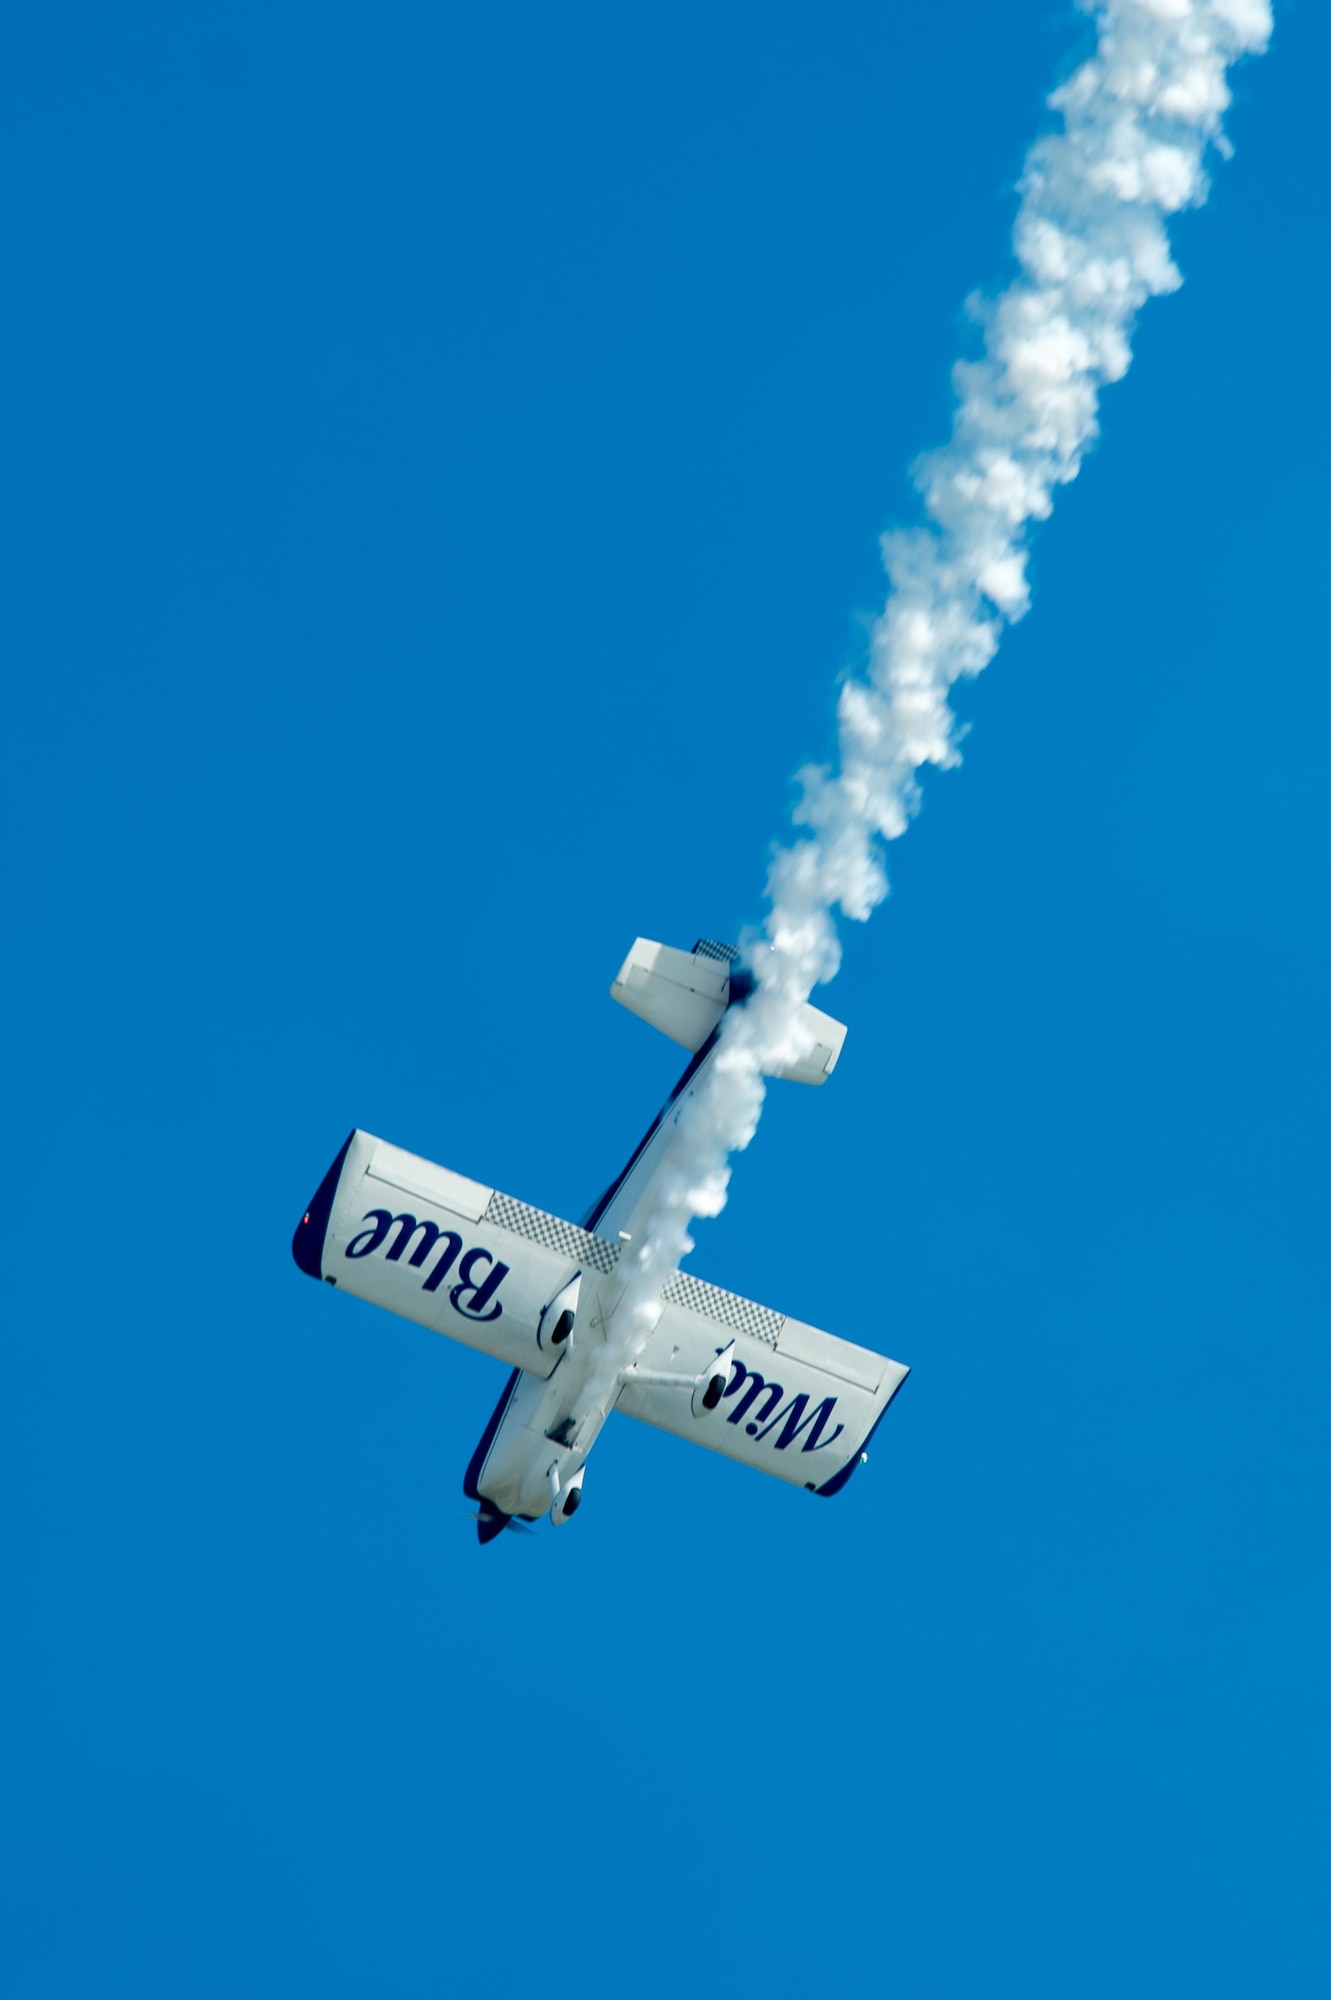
column 798, row 1403
column 445, row 1251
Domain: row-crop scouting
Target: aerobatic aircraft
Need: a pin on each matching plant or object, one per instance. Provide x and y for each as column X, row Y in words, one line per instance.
column 543, row 1294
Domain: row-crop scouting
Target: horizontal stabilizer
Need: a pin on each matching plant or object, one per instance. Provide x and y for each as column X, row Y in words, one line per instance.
column 685, row 994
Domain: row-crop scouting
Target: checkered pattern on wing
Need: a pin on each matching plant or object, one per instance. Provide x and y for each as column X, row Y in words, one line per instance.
column 759, row 1322
column 552, row 1233
column 709, row 948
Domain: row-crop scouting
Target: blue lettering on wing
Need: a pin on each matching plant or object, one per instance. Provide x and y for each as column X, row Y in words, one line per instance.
column 795, row 1418
column 796, row 1421
column 481, row 1290
column 474, row 1294
column 753, row 1386
column 369, row 1240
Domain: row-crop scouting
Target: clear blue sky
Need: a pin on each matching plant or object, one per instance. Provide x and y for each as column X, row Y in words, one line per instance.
column 444, row 453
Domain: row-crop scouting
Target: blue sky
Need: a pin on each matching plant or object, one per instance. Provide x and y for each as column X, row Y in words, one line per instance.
column 445, row 459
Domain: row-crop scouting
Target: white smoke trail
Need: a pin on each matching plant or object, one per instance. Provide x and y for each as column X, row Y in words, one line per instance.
column 1137, row 120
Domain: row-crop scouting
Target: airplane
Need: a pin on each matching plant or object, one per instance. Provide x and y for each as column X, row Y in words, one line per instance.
column 545, row 1295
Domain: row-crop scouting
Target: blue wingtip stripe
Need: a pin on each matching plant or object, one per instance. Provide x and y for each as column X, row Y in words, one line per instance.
column 307, row 1245
column 842, row 1478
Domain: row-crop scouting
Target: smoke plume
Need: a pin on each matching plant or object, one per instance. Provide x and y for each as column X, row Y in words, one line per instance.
column 1136, row 123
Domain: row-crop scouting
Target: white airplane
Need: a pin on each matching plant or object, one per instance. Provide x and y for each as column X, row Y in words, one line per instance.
column 542, row 1294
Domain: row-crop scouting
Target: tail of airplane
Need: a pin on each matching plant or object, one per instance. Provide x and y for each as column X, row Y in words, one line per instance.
column 685, row 994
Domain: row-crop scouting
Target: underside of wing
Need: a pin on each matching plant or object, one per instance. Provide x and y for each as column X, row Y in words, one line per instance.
column 447, row 1252
column 797, row 1403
